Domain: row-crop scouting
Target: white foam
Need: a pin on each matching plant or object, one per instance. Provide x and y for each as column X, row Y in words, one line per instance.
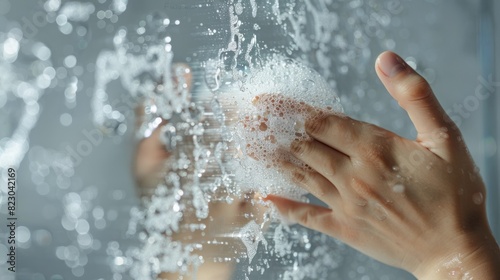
column 265, row 127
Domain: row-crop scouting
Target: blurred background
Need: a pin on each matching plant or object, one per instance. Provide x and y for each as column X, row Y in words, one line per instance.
column 75, row 186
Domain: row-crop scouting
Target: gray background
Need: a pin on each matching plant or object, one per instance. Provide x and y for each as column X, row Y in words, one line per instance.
column 441, row 36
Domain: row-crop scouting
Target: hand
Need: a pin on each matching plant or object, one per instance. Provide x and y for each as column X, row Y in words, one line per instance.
column 414, row 204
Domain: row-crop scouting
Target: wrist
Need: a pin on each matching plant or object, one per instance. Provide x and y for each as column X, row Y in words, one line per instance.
column 475, row 256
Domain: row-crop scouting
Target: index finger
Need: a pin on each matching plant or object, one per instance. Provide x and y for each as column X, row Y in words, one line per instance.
column 323, row 124
column 281, row 106
column 337, row 131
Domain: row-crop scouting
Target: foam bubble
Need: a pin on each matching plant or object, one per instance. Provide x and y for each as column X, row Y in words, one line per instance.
column 272, row 105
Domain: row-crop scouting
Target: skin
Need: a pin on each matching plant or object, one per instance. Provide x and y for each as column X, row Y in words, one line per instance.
column 414, row 204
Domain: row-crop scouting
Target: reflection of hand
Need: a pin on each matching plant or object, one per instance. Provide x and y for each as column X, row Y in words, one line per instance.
column 418, row 205
column 149, row 166
column 151, row 153
column 224, row 221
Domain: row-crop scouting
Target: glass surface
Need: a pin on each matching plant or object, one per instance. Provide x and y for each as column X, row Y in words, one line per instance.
column 123, row 120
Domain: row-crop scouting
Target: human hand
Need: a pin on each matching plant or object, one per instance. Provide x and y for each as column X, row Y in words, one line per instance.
column 414, row 204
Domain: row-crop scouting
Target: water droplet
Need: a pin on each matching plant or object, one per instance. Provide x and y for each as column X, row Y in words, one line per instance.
column 429, row 166
column 251, row 235
column 65, row 119
column 398, row 188
column 228, row 59
column 238, row 8
column 75, row 11
column 478, row 198
column 168, row 137
column 23, row 234
column 473, row 176
column 213, row 75
column 119, row 6
column 380, row 212
column 70, row 61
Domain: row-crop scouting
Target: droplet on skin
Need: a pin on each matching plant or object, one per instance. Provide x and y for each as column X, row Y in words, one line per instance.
column 443, row 135
column 430, row 165
column 472, row 176
column 478, row 198
column 380, row 212
column 361, row 203
column 398, row 188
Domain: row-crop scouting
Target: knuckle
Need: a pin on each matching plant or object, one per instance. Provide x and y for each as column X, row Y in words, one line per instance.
column 346, row 128
column 374, row 130
column 319, row 126
column 331, row 166
column 333, row 124
column 354, row 210
column 307, row 217
column 299, row 177
column 298, row 148
column 415, row 88
column 318, row 189
column 363, row 189
column 378, row 135
column 375, row 155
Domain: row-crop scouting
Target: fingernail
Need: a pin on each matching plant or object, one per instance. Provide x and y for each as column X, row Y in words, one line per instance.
column 391, row 64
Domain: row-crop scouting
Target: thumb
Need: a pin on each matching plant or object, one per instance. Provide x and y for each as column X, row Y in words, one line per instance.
column 415, row 95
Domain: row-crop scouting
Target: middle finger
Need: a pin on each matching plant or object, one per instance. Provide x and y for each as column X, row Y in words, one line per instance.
column 325, row 160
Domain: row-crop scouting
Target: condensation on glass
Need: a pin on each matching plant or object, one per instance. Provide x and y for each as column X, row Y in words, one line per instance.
column 220, row 146
column 191, row 70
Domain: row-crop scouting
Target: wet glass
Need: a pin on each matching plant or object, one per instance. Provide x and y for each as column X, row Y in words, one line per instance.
column 128, row 125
